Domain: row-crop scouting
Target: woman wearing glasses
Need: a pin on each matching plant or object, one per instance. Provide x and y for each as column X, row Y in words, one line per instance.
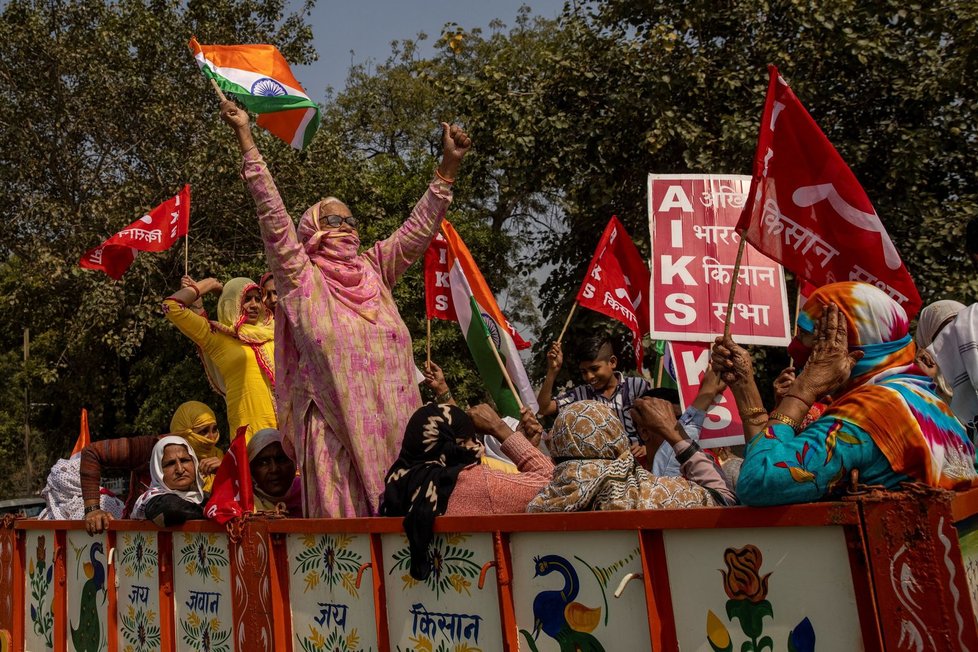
column 346, row 383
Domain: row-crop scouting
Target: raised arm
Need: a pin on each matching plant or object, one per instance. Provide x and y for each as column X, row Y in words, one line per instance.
column 179, row 311
column 545, row 399
column 408, row 243
column 286, row 257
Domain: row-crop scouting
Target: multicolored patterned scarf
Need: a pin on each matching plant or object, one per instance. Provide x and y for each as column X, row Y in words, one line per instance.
column 439, row 441
column 596, row 470
column 899, row 409
column 351, row 280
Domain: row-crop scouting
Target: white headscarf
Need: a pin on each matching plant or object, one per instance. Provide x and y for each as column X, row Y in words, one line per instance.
column 157, row 487
column 933, row 317
column 956, row 352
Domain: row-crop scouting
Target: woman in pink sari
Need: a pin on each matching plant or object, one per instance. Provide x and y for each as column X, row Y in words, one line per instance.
column 346, row 384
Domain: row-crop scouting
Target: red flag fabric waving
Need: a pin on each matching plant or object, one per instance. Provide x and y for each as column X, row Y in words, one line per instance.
column 617, row 283
column 438, row 288
column 232, row 494
column 155, row 231
column 84, row 438
column 807, row 210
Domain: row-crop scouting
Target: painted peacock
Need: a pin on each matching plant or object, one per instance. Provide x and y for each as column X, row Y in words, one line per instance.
column 87, row 635
column 555, row 612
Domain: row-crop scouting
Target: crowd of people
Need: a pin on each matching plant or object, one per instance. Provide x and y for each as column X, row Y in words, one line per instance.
column 314, row 363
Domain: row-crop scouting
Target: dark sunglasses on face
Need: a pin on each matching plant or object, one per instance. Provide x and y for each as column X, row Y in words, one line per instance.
column 336, row 220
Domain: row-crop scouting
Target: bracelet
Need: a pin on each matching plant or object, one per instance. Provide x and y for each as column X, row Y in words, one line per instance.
column 759, row 419
column 92, row 508
column 248, row 150
column 193, row 286
column 444, row 397
column 444, row 178
column 785, row 419
column 693, row 449
column 752, row 411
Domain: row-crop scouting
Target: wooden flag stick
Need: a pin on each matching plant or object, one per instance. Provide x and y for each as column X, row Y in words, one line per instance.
column 566, row 323
column 733, row 283
column 186, row 254
column 662, row 367
column 217, row 88
column 502, row 367
column 428, row 346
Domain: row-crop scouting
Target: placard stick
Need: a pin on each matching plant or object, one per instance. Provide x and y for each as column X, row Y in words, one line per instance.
column 566, row 323
column 428, row 346
column 502, row 367
column 217, row 88
column 733, row 284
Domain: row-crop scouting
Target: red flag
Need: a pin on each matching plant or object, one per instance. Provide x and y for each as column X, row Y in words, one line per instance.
column 231, row 494
column 617, row 283
column 155, row 231
column 438, row 288
column 807, row 210
column 84, row 438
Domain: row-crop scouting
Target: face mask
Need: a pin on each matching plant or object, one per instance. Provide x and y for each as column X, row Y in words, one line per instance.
column 343, row 247
column 799, row 354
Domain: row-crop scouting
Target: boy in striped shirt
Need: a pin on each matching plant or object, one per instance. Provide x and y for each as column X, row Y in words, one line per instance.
column 601, row 382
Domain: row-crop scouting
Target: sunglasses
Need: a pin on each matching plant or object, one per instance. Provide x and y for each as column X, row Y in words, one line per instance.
column 336, row 220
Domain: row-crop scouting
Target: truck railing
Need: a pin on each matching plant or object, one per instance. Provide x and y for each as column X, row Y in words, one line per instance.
column 877, row 571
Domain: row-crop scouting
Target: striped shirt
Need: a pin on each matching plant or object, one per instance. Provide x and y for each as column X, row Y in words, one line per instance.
column 629, row 388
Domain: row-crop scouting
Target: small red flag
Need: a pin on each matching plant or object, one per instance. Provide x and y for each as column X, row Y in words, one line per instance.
column 438, row 288
column 155, row 231
column 232, row 494
column 617, row 283
column 84, row 438
column 807, row 211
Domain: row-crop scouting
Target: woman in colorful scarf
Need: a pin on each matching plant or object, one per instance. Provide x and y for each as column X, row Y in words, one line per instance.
column 596, row 470
column 347, row 383
column 439, row 471
column 197, row 424
column 174, row 495
column 885, row 420
column 238, row 350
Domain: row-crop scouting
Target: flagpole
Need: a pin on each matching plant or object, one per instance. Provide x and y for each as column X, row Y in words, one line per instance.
column 502, row 367
column 428, row 345
column 567, row 323
column 662, row 366
column 186, row 254
column 733, row 283
column 217, row 88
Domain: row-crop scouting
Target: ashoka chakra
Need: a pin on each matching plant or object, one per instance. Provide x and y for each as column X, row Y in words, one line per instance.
column 267, row 87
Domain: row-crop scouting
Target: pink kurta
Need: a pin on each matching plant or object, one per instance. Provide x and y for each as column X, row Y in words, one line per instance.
column 345, row 386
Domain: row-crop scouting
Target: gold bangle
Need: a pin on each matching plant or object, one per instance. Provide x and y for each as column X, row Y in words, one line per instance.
column 752, row 411
column 785, row 419
column 758, row 420
column 444, row 178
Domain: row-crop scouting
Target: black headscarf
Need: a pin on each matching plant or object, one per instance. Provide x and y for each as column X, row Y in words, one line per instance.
column 439, row 441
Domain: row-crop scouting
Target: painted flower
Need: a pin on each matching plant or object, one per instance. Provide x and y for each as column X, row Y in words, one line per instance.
column 41, row 553
column 802, row 637
column 742, row 579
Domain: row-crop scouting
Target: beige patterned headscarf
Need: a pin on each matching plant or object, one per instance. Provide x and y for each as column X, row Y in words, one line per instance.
column 596, row 470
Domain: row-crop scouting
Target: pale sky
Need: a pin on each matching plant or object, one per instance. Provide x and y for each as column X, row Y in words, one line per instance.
column 367, row 27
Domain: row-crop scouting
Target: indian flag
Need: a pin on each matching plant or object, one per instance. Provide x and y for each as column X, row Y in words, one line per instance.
column 260, row 78
column 481, row 320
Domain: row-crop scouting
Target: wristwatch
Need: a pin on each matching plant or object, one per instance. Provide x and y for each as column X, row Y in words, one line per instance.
column 91, row 508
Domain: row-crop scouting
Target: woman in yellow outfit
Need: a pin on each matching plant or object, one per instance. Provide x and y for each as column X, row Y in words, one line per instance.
column 197, row 423
column 237, row 350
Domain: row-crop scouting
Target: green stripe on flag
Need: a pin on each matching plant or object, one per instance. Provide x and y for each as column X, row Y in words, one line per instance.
column 477, row 337
column 261, row 103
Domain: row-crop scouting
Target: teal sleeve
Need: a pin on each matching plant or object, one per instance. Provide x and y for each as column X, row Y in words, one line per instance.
column 781, row 467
